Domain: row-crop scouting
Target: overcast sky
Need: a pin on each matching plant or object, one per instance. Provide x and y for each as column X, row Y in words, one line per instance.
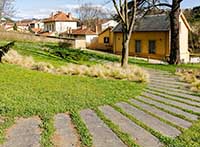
column 43, row 8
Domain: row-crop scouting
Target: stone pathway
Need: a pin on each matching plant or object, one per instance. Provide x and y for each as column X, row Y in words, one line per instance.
column 149, row 120
column 165, row 106
column 25, row 133
column 138, row 133
column 102, row 135
column 162, row 114
column 65, row 134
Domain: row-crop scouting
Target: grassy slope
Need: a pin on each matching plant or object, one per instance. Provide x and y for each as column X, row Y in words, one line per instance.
column 84, row 57
column 28, row 93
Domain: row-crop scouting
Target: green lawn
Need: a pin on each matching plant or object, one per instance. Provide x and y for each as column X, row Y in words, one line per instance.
column 26, row 93
column 39, row 53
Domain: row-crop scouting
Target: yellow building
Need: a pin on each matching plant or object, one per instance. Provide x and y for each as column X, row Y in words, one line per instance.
column 151, row 38
column 104, row 42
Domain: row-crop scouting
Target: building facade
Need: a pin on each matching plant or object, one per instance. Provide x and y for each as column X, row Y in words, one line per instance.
column 60, row 22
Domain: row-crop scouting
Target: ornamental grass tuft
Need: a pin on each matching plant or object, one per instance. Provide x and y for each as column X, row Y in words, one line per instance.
column 107, row 70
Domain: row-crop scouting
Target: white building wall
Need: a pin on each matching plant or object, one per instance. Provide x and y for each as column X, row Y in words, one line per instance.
column 63, row 26
column 184, row 53
column 39, row 25
column 50, row 26
column 89, row 38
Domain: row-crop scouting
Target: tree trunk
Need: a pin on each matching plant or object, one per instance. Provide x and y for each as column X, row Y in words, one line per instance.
column 175, row 45
column 124, row 61
column 125, row 48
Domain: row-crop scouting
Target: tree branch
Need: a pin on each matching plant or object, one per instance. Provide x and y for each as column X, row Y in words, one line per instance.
column 118, row 11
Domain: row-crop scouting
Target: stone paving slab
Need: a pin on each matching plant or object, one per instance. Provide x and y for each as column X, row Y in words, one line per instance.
column 178, row 121
column 102, row 135
column 152, row 78
column 25, row 133
column 182, row 105
column 149, row 120
column 180, row 99
column 184, row 95
column 171, row 89
column 65, row 134
column 168, row 85
column 169, row 108
column 171, row 82
column 141, row 136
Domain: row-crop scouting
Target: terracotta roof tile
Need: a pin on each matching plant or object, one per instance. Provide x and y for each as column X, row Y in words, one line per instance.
column 86, row 31
column 60, row 16
column 81, row 31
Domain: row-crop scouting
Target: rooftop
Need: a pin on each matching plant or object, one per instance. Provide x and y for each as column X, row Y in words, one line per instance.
column 149, row 23
column 60, row 16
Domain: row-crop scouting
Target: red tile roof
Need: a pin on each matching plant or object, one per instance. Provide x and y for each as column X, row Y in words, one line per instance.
column 60, row 16
column 85, row 31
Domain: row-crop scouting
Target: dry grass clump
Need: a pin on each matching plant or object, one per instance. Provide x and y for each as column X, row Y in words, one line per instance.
column 191, row 76
column 107, row 71
column 13, row 57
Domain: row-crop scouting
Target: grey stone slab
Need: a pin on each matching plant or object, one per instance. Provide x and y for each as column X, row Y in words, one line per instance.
column 169, row 108
column 171, row 89
column 101, row 133
column 166, row 95
column 178, row 121
column 172, row 102
column 141, row 136
column 25, row 133
column 150, row 121
column 171, row 83
column 163, row 78
column 153, row 74
column 168, row 85
column 179, row 94
column 65, row 134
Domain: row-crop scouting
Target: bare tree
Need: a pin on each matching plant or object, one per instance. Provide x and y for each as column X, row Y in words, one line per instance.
column 6, row 8
column 144, row 6
column 127, row 12
column 89, row 14
column 127, row 25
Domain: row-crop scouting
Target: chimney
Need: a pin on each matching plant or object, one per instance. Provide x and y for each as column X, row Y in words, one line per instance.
column 83, row 27
column 70, row 15
column 97, row 29
column 51, row 14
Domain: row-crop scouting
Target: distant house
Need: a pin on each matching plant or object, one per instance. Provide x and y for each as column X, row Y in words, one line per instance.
column 104, row 41
column 83, row 33
column 151, row 38
column 20, row 26
column 37, row 26
column 60, row 22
